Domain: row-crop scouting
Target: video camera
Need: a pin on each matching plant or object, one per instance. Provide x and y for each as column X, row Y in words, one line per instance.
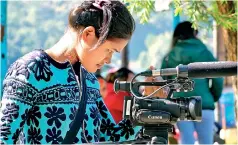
column 158, row 115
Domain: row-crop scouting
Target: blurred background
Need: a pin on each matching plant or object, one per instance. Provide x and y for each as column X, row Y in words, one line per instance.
column 29, row 25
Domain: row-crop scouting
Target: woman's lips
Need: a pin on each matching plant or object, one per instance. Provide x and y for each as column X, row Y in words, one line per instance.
column 99, row 66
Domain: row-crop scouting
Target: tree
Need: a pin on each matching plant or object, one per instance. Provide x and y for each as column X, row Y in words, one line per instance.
column 200, row 12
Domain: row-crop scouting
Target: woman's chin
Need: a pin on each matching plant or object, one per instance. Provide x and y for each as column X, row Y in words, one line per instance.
column 92, row 70
column 99, row 66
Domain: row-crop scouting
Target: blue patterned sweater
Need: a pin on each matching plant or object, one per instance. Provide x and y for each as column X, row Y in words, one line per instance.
column 40, row 99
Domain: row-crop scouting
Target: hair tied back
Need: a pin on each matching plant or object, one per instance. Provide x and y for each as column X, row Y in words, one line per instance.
column 99, row 3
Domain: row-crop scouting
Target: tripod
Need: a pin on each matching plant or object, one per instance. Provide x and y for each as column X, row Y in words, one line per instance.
column 154, row 134
column 150, row 134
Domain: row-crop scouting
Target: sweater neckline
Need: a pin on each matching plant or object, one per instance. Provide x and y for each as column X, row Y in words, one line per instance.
column 60, row 65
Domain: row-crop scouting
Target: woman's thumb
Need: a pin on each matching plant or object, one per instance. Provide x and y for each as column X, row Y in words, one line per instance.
column 152, row 67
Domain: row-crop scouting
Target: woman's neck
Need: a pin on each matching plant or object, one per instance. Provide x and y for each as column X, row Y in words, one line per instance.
column 63, row 50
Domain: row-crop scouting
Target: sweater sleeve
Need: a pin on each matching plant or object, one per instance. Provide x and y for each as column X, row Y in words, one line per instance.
column 16, row 103
column 217, row 87
column 164, row 63
column 217, row 83
column 112, row 132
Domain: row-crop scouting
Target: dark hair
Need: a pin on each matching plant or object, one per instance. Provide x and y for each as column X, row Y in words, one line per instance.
column 111, row 19
column 123, row 73
column 183, row 31
column 111, row 77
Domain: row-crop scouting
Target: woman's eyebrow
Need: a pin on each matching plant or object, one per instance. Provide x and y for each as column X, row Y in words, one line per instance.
column 116, row 50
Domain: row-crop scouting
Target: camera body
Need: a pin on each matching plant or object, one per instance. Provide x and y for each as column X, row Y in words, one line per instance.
column 157, row 116
column 153, row 111
column 160, row 111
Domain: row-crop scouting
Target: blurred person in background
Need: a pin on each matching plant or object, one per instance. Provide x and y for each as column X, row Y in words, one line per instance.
column 114, row 101
column 111, row 75
column 187, row 48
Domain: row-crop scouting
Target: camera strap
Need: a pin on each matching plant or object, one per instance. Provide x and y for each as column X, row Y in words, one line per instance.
column 78, row 120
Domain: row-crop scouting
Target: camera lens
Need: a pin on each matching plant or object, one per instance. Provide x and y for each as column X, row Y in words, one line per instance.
column 195, row 107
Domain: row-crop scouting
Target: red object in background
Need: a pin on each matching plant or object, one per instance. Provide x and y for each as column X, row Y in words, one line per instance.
column 177, row 134
column 114, row 102
column 103, row 88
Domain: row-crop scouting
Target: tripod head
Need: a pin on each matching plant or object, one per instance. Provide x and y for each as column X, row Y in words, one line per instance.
column 156, row 115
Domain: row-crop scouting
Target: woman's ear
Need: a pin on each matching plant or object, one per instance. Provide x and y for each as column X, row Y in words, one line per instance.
column 89, row 37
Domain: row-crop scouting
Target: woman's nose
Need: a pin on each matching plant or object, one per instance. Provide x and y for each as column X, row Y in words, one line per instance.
column 108, row 59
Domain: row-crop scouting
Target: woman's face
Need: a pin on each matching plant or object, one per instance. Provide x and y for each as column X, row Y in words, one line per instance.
column 94, row 58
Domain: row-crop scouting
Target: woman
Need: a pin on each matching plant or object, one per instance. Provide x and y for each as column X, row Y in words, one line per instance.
column 42, row 90
column 187, row 48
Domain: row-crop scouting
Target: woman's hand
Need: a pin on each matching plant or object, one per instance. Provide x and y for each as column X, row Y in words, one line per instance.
column 150, row 89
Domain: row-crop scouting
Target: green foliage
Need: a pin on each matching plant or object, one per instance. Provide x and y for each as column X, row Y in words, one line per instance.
column 228, row 20
column 201, row 13
column 142, row 8
column 177, row 5
column 198, row 16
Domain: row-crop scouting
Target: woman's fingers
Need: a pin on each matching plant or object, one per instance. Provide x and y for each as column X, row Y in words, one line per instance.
column 150, row 89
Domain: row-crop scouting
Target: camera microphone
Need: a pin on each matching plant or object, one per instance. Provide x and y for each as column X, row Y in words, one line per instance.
column 197, row 70
column 212, row 69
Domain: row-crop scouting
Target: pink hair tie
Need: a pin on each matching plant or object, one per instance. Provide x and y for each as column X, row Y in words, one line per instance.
column 99, row 3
